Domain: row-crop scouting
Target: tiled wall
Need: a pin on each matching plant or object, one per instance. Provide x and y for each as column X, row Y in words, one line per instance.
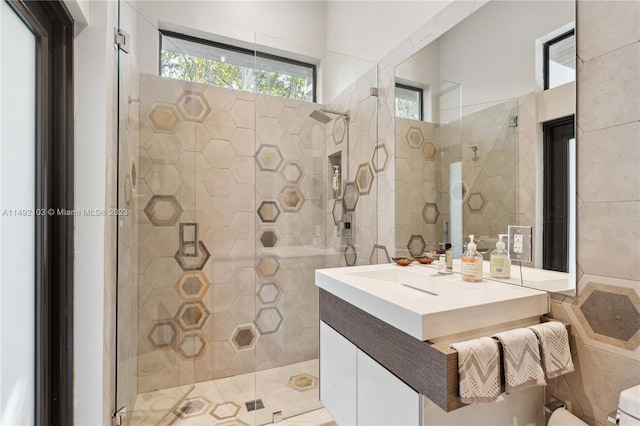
column 360, row 168
column 489, row 173
column 419, row 196
column 250, row 172
column 422, row 177
column 605, row 316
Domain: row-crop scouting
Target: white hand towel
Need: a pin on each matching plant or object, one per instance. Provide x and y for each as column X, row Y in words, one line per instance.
column 479, row 370
column 521, row 359
column 554, row 347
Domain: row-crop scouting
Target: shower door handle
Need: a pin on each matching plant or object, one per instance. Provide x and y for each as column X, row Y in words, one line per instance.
column 188, row 239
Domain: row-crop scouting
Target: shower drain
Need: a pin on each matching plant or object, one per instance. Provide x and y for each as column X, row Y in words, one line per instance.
column 254, row 405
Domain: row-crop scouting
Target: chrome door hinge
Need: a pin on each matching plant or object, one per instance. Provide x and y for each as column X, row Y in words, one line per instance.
column 119, row 417
column 122, row 40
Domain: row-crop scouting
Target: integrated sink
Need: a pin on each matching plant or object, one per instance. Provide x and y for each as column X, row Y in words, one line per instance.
column 407, row 283
column 427, row 305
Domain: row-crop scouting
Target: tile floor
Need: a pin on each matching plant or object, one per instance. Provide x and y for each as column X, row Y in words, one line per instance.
column 292, row 389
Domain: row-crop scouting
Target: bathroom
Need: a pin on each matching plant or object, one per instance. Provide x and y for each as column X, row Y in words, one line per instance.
column 206, row 306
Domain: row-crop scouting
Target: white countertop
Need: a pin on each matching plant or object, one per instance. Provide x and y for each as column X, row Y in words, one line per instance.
column 437, row 305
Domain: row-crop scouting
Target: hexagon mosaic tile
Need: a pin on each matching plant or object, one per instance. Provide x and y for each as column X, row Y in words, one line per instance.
column 350, row 255
column 430, row 213
column 225, row 410
column 192, row 407
column 415, row 137
column 193, row 263
column 193, row 106
column 429, row 150
column 268, row 320
column 192, row 346
column 364, row 179
column 416, row 245
column 610, row 314
column 339, row 130
column 162, row 334
column 380, row 158
column 243, row 337
column 476, row 202
column 268, row 158
column 303, row 382
column 163, row 118
column 268, row 211
column 336, row 212
column 268, row 266
column 163, row 210
column 192, row 315
column 291, row 172
column 268, row 237
column 291, row 199
column 379, row 254
column 192, row 285
column 269, row 293
column 350, row 196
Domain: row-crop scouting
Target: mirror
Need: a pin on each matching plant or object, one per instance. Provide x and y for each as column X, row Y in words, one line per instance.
column 485, row 141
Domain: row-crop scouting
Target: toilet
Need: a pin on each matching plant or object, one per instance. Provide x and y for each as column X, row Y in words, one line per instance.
column 627, row 414
column 629, row 407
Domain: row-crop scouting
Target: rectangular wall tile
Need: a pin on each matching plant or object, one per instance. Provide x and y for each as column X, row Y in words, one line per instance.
column 608, row 164
column 604, row 26
column 608, row 239
column 609, row 89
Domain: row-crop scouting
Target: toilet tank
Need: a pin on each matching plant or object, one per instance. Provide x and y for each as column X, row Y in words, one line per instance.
column 629, row 407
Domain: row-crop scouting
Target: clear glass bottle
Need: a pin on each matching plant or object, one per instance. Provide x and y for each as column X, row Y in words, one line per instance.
column 335, row 182
column 500, row 264
column 472, row 263
column 449, row 258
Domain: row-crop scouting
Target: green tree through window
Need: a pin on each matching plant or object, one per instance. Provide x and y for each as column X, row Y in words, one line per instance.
column 184, row 66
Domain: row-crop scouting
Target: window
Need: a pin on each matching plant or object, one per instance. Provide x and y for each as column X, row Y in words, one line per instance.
column 204, row 61
column 560, row 60
column 409, row 102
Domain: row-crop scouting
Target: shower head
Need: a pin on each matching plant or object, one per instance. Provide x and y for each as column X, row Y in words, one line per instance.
column 321, row 115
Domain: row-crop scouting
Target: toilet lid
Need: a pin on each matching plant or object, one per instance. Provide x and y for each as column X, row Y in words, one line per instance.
column 630, row 401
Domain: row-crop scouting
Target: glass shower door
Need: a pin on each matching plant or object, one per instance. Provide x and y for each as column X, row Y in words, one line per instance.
column 160, row 312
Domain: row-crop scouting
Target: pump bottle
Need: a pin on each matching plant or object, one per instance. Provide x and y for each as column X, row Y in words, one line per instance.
column 472, row 263
column 500, row 265
column 335, row 181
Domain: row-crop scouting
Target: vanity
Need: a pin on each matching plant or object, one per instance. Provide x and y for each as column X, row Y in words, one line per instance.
column 385, row 332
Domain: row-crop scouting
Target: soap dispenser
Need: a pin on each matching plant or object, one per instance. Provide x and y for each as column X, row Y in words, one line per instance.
column 335, row 181
column 499, row 260
column 472, row 263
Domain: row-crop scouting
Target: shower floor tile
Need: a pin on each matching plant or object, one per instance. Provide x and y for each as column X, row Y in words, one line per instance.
column 292, row 389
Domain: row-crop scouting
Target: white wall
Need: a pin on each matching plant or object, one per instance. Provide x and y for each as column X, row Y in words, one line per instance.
column 492, row 52
column 94, row 131
column 347, row 36
column 370, row 29
column 301, row 22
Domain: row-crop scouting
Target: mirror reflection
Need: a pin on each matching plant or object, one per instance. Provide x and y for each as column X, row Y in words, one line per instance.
column 485, row 142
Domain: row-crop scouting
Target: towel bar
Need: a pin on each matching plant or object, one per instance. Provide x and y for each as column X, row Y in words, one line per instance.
column 452, row 357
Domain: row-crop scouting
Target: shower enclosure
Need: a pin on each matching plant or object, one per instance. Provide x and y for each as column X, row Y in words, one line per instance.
column 230, row 210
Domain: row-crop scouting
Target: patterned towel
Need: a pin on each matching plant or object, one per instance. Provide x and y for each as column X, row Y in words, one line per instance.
column 521, row 360
column 554, row 347
column 479, row 370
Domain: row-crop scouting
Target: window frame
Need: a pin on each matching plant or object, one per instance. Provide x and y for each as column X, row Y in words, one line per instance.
column 545, row 54
column 232, row 48
column 420, row 92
